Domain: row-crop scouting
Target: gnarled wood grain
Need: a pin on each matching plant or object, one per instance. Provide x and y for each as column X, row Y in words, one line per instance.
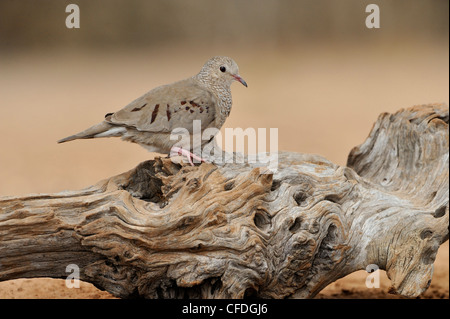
column 165, row 230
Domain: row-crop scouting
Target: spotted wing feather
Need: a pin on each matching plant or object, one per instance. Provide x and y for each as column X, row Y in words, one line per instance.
column 168, row 107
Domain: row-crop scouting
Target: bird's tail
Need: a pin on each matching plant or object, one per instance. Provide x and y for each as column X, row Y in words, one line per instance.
column 103, row 129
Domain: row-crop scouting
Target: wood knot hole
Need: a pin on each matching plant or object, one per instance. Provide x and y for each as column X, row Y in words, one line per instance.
column 296, row 225
column 300, row 197
column 275, row 185
column 438, row 213
column 262, row 220
column 229, row 186
column 426, row 234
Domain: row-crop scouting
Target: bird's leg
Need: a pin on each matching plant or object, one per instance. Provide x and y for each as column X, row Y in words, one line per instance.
column 179, row 151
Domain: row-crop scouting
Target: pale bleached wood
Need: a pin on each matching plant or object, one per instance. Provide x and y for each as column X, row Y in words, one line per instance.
column 165, row 230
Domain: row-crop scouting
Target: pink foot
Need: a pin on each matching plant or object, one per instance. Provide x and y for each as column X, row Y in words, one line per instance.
column 179, row 151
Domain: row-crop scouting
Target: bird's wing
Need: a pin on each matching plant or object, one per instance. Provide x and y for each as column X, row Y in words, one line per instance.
column 168, row 107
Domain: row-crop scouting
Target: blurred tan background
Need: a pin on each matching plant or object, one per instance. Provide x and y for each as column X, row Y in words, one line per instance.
column 314, row 71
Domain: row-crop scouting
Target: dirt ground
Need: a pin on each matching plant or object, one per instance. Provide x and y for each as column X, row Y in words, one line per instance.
column 322, row 101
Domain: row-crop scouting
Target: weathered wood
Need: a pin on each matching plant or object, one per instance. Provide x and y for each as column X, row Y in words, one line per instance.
column 165, row 230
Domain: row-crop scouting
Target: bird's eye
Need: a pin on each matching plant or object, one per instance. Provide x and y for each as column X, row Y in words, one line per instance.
column 223, row 69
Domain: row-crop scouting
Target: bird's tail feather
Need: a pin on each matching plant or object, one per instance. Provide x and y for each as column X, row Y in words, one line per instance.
column 103, row 129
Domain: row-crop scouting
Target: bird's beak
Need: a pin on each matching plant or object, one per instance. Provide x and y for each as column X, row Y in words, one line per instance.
column 239, row 79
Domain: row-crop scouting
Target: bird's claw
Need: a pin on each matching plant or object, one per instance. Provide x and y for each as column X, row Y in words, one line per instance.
column 179, row 151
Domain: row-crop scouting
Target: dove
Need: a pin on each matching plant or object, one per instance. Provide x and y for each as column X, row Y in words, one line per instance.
column 150, row 119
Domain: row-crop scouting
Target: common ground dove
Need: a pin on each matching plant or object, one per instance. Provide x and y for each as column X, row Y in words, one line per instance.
column 150, row 119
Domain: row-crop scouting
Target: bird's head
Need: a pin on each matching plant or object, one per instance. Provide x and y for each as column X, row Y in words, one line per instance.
column 220, row 70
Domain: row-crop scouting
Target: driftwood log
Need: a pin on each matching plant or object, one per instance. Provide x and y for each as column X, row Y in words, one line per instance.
column 167, row 230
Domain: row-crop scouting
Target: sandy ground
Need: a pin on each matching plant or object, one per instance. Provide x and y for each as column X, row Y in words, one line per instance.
column 322, row 99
